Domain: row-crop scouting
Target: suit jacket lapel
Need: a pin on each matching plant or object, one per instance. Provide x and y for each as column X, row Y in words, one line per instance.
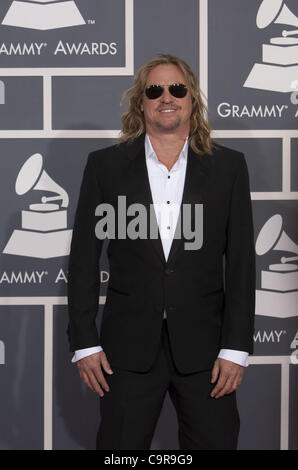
column 138, row 187
column 198, row 171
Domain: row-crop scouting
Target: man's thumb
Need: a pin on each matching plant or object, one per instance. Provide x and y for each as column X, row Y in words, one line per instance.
column 106, row 365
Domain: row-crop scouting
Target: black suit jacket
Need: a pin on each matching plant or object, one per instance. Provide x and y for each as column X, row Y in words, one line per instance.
column 209, row 303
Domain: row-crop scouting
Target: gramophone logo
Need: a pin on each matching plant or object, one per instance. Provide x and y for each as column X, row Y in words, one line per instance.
column 279, row 67
column 278, row 296
column 43, row 14
column 44, row 232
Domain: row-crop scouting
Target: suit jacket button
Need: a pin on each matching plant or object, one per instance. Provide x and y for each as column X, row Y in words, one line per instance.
column 169, row 271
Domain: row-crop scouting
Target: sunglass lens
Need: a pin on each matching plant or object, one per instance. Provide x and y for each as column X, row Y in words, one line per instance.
column 154, row 91
column 178, row 90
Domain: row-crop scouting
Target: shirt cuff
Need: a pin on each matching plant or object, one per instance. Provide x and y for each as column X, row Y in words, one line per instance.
column 81, row 353
column 239, row 357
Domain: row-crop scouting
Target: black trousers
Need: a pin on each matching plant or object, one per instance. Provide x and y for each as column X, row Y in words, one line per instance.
column 130, row 410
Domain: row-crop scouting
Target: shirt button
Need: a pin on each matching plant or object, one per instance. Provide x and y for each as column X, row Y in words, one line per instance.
column 168, row 202
column 168, row 227
column 169, row 177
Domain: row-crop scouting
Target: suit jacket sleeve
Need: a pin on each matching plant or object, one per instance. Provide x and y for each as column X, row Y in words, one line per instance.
column 238, row 321
column 83, row 267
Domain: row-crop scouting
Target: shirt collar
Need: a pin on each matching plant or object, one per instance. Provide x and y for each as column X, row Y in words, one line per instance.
column 150, row 153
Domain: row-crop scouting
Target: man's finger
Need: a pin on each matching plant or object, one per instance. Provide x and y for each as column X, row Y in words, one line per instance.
column 220, row 384
column 237, row 382
column 226, row 389
column 215, row 372
column 95, row 384
column 85, row 378
column 106, row 365
column 100, row 378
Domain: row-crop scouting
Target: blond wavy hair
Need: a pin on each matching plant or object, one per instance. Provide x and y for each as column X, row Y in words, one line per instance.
column 133, row 122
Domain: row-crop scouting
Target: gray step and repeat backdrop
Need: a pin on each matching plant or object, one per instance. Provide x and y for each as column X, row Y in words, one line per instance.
column 63, row 68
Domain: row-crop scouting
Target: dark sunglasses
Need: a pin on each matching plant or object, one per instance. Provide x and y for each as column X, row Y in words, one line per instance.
column 178, row 90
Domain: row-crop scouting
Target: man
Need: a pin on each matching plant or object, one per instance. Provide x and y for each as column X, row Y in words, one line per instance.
column 174, row 319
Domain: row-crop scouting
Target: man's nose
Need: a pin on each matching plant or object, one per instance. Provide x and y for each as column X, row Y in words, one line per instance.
column 166, row 97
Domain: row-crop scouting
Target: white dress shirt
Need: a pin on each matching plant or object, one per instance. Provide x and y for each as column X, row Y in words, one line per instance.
column 167, row 190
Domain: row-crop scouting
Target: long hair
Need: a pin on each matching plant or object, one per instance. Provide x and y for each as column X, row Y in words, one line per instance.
column 133, row 122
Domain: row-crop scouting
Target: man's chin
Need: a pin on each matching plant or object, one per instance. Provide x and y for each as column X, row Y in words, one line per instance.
column 170, row 127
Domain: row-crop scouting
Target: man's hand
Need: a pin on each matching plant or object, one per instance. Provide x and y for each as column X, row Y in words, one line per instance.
column 228, row 376
column 90, row 371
